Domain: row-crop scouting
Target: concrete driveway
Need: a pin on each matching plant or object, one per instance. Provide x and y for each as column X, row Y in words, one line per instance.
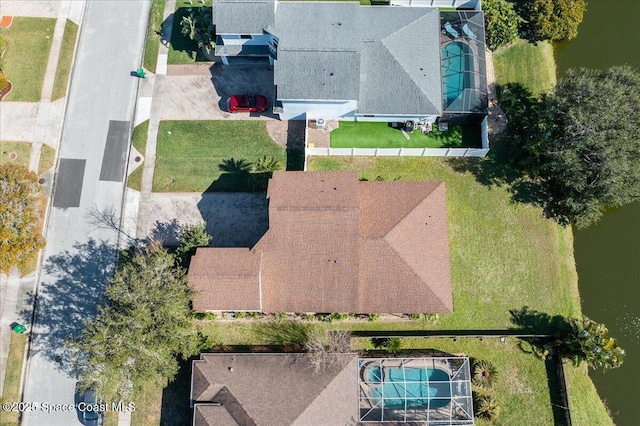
column 200, row 92
column 233, row 219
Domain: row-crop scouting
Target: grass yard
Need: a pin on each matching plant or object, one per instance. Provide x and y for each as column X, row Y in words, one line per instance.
column 153, row 38
column 139, row 141
column 503, row 255
column 23, row 152
column 382, row 135
column 11, row 391
column 531, row 65
column 190, row 154
column 25, row 60
column 64, row 62
column 183, row 50
column 21, row 149
column 47, row 159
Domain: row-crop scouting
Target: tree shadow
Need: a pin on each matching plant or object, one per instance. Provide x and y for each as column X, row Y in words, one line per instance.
column 505, row 164
column 165, row 232
column 74, row 284
column 530, row 321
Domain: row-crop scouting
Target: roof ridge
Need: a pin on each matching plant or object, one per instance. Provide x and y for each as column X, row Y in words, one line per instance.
column 384, row 43
column 435, row 294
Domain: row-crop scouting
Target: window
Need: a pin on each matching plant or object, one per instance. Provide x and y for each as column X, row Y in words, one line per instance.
column 245, row 36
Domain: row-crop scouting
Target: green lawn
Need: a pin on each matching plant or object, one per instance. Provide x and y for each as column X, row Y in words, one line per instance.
column 182, row 50
column 64, row 61
column 139, row 140
column 503, row 255
column 153, row 38
column 382, row 135
column 530, row 65
column 47, row 159
column 11, row 391
column 23, row 151
column 25, row 60
column 190, row 154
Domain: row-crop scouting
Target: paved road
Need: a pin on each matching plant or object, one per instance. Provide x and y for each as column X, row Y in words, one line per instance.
column 80, row 253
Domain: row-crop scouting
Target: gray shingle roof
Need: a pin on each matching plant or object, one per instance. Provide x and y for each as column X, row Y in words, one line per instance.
column 309, row 74
column 243, row 16
column 387, row 58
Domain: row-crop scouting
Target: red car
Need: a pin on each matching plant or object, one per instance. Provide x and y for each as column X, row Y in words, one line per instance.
column 247, row 103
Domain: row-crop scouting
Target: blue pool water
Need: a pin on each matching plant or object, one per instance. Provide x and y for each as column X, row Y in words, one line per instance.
column 455, row 61
column 422, row 388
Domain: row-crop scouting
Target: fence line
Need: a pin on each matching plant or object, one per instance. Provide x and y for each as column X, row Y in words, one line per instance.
column 467, row 4
column 399, row 152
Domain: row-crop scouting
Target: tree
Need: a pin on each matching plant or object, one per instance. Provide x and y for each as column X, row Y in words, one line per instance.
column 500, row 23
column 551, row 19
column 198, row 26
column 589, row 342
column 266, row 164
column 191, row 237
column 485, row 374
column 20, row 236
column 328, row 357
column 582, row 147
column 137, row 337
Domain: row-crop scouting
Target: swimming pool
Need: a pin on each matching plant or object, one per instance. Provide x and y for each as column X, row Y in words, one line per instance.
column 457, row 70
column 415, row 387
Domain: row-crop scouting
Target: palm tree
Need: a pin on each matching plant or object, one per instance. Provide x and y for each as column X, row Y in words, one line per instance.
column 487, row 407
column 266, row 164
column 589, row 341
column 485, row 374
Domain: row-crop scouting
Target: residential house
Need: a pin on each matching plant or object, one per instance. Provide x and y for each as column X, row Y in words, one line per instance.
column 340, row 60
column 335, row 244
column 281, row 389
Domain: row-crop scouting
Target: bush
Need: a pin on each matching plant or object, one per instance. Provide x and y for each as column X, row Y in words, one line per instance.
column 373, row 317
column 484, row 374
column 500, row 23
column 4, row 82
column 486, row 407
column 336, row 316
column 394, row 345
column 198, row 26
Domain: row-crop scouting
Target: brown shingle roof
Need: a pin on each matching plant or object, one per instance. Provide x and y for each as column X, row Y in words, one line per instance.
column 228, row 277
column 339, row 245
column 274, row 390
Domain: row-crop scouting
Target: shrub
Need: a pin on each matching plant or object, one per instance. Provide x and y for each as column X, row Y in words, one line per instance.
column 198, row 26
column 336, row 316
column 500, row 23
column 487, row 407
column 373, row 317
column 4, row 82
column 394, row 345
column 484, row 374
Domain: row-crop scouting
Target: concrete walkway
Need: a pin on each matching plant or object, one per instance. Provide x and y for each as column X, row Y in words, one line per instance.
column 38, row 123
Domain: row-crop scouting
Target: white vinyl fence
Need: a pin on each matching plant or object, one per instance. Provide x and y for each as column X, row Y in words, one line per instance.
column 466, row 4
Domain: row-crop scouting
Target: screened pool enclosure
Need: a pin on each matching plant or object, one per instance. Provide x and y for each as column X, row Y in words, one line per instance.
column 464, row 70
column 432, row 391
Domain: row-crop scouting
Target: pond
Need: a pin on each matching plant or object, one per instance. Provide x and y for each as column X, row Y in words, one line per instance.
column 608, row 254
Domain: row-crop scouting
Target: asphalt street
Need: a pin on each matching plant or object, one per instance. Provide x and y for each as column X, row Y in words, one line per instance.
column 81, row 250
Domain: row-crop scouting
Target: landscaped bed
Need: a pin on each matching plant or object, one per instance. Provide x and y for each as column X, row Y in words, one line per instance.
column 182, row 50
column 382, row 135
column 25, row 60
column 211, row 155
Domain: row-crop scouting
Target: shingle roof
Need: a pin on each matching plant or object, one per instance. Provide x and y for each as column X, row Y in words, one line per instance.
column 225, row 276
column 243, row 16
column 335, row 244
column 386, row 58
column 253, row 393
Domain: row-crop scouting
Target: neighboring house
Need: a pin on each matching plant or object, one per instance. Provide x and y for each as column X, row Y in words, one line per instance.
column 336, row 244
column 284, row 389
column 340, row 60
